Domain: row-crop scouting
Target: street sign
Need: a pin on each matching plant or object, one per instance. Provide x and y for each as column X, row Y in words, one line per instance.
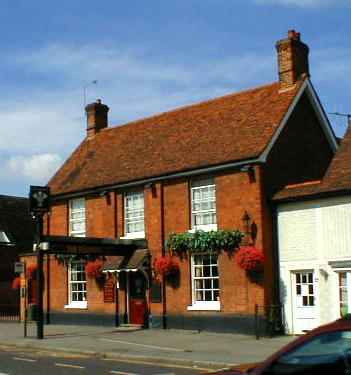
column 19, row 267
column 39, row 199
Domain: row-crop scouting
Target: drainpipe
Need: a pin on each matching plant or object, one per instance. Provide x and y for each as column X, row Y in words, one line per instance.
column 164, row 292
column 127, row 295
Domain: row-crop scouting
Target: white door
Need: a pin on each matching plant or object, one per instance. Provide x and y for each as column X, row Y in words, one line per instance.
column 303, row 301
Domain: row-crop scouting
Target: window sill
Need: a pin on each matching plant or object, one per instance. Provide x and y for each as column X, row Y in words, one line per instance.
column 205, row 228
column 215, row 306
column 81, row 305
column 133, row 236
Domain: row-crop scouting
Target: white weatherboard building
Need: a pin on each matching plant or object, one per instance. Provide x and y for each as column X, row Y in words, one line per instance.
column 314, row 246
column 314, row 240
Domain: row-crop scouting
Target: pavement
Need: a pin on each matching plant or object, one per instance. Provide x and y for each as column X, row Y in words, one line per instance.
column 180, row 347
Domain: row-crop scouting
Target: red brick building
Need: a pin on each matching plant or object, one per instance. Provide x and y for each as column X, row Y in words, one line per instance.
column 201, row 167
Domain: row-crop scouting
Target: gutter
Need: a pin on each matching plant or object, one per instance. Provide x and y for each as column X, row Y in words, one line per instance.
column 312, row 196
column 107, row 188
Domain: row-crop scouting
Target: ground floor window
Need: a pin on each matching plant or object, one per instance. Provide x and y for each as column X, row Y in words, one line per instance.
column 345, row 292
column 77, row 285
column 205, row 282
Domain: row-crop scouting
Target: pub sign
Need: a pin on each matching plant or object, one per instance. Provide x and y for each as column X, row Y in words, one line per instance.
column 39, row 197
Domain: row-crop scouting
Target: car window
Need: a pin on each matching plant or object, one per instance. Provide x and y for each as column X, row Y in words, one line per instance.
column 328, row 353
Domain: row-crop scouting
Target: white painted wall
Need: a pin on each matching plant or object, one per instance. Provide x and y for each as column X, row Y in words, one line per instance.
column 310, row 235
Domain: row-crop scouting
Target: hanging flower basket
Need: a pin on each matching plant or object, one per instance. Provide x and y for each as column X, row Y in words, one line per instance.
column 166, row 265
column 31, row 271
column 93, row 269
column 250, row 258
column 16, row 283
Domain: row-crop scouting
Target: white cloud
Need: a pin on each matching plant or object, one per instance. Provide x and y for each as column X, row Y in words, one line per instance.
column 36, row 168
column 305, row 3
column 48, row 118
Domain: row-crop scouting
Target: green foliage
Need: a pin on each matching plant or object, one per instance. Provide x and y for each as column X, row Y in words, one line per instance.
column 200, row 241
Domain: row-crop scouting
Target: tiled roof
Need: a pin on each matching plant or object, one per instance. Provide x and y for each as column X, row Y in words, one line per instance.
column 336, row 180
column 15, row 220
column 227, row 129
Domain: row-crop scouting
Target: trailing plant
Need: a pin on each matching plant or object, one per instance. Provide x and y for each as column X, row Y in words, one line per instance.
column 201, row 241
column 166, row 265
column 250, row 258
column 16, row 283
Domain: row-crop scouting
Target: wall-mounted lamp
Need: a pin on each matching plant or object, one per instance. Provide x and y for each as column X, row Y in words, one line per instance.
column 246, row 219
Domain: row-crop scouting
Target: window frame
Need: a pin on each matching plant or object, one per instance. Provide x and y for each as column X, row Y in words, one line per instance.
column 81, row 304
column 201, row 184
column 127, row 220
column 72, row 220
column 214, row 305
column 81, row 233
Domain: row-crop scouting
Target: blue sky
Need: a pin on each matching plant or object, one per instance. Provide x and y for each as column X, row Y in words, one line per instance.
column 148, row 57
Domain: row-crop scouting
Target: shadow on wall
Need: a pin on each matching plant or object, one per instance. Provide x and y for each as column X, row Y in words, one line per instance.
column 283, row 299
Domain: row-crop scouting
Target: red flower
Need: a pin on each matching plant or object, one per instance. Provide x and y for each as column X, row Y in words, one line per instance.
column 94, row 268
column 16, row 283
column 250, row 258
column 32, row 271
column 166, row 265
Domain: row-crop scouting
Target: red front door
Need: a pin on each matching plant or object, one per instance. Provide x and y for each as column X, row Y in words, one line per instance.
column 137, row 302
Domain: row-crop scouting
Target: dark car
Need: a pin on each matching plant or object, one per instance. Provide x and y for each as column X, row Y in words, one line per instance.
column 324, row 350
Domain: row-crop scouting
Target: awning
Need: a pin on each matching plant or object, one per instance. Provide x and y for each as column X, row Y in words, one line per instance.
column 139, row 260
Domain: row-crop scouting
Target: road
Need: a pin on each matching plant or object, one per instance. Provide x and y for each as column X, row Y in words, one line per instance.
column 27, row 362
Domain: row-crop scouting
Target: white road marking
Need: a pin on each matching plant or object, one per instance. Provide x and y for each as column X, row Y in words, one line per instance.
column 144, row 345
column 122, row 373
column 69, row 365
column 24, row 359
column 2, row 373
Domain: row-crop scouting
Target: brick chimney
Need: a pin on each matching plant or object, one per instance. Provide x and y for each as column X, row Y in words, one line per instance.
column 96, row 117
column 292, row 60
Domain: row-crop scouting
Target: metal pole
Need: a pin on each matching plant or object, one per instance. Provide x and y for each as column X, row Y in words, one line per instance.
column 40, row 315
column 25, row 301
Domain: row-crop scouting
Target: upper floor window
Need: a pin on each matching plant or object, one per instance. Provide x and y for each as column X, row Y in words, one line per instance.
column 77, row 217
column 134, row 214
column 203, row 205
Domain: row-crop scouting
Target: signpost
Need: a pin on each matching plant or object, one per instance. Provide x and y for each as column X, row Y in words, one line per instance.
column 39, row 200
column 20, row 268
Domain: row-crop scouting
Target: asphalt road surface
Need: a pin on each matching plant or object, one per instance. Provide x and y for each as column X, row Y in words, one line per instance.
column 26, row 362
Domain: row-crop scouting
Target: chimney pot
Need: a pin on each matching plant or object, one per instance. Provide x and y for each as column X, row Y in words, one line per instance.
column 292, row 59
column 97, row 118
